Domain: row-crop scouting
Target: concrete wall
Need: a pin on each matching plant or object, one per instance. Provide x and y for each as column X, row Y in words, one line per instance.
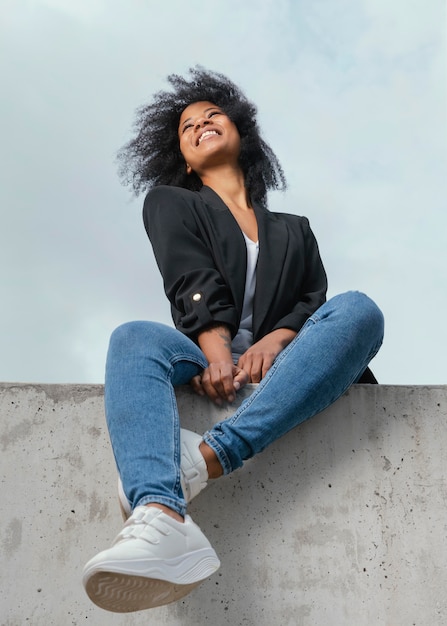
column 341, row 523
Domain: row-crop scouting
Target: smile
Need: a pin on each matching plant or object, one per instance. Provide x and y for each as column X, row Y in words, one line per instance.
column 207, row 133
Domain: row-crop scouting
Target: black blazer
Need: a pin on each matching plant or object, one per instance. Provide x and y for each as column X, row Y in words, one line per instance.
column 202, row 257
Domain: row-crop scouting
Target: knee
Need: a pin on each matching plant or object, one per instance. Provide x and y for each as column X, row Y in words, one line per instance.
column 365, row 312
column 131, row 335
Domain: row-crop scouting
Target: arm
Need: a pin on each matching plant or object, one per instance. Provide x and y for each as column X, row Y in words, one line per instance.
column 196, row 289
column 201, row 301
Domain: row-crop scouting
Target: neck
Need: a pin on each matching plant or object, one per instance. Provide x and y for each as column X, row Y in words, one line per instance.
column 228, row 183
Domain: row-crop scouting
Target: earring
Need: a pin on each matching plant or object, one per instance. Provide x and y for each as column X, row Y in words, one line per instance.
column 188, row 169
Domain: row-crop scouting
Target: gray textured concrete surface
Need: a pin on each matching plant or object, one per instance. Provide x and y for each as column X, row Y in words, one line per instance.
column 341, row 522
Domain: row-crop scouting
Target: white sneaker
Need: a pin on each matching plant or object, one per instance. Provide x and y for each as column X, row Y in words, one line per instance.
column 193, row 472
column 154, row 560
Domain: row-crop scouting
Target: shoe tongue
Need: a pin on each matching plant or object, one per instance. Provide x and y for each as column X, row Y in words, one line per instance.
column 143, row 514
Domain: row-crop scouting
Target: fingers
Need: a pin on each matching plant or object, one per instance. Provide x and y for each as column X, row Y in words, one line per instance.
column 220, row 381
column 217, row 382
column 196, row 384
column 241, row 378
column 256, row 365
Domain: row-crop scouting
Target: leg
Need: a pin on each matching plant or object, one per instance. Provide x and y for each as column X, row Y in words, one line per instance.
column 144, row 362
column 155, row 559
column 330, row 353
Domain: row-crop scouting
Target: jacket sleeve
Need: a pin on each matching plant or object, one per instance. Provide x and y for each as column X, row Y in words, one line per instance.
column 311, row 293
column 198, row 294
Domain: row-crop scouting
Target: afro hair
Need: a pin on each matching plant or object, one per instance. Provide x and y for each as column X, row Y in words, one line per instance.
column 153, row 156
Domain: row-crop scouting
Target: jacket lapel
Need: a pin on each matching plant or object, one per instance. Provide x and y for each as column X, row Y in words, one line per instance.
column 229, row 245
column 273, row 243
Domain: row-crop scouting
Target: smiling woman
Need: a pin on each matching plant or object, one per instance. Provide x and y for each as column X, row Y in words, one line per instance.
column 247, row 290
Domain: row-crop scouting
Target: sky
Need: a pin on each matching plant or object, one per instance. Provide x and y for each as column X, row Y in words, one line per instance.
column 351, row 96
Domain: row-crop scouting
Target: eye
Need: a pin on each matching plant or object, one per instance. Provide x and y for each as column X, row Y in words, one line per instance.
column 185, row 127
column 213, row 113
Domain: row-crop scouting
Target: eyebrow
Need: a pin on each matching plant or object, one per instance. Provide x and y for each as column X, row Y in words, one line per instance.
column 208, row 109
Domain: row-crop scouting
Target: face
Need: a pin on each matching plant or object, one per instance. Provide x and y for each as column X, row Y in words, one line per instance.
column 207, row 138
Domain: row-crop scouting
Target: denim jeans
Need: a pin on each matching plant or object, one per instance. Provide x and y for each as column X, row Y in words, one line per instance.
column 146, row 360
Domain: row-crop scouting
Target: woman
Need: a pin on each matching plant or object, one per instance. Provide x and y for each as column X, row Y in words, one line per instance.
column 247, row 290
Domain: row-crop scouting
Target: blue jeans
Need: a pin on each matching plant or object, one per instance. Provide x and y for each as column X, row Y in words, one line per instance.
column 146, row 360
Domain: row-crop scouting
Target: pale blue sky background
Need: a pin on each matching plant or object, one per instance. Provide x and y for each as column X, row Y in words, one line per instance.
column 351, row 96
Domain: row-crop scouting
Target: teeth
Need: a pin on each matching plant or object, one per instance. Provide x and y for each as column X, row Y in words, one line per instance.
column 206, row 134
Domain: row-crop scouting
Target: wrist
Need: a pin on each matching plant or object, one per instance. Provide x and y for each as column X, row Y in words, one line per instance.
column 284, row 336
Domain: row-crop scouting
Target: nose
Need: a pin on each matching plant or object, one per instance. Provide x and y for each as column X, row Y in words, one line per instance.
column 201, row 121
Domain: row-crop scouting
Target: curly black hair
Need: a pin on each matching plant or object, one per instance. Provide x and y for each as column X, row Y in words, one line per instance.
column 153, row 156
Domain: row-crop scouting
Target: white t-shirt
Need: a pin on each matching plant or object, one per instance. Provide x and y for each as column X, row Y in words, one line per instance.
column 244, row 337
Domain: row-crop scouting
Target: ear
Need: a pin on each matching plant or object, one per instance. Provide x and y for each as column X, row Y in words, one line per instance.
column 188, row 169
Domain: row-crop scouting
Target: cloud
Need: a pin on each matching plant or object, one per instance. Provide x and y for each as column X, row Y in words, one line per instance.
column 351, row 96
column 85, row 11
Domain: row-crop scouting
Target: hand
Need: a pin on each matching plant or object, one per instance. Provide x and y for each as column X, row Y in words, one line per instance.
column 258, row 359
column 220, row 381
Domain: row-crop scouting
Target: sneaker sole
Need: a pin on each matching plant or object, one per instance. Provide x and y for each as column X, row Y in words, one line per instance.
column 121, row 593
column 125, row 592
